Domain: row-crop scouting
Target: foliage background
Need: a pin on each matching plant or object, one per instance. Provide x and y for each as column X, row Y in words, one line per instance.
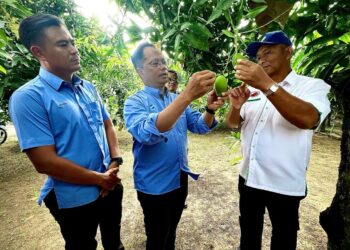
column 104, row 58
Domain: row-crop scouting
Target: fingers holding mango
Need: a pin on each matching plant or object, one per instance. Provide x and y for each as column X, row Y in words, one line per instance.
column 199, row 84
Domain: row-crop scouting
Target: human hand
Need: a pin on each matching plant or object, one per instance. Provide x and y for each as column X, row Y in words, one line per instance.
column 238, row 96
column 214, row 102
column 109, row 179
column 199, row 84
column 253, row 74
column 112, row 165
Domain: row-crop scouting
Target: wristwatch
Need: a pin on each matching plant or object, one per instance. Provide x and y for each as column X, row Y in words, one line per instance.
column 210, row 111
column 119, row 160
column 272, row 89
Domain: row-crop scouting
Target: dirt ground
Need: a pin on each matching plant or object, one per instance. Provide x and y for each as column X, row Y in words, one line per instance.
column 209, row 222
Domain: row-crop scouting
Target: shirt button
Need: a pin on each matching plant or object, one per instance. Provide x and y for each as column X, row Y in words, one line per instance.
column 256, row 133
column 261, row 120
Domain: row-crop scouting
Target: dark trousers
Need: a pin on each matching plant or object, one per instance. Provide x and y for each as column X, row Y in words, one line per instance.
column 162, row 214
column 79, row 224
column 283, row 213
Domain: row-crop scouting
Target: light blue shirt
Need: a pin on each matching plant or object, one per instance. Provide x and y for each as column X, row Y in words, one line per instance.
column 159, row 157
column 48, row 111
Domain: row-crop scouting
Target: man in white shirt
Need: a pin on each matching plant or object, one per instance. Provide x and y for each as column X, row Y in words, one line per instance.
column 276, row 110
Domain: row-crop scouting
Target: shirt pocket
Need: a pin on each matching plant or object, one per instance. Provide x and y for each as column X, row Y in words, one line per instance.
column 96, row 112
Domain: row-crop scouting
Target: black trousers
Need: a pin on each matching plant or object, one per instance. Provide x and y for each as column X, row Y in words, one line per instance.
column 79, row 224
column 162, row 214
column 283, row 213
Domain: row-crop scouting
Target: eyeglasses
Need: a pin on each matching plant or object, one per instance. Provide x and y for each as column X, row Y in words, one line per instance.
column 157, row 63
column 171, row 80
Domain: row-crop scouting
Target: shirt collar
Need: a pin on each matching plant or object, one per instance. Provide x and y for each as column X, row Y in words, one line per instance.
column 291, row 78
column 56, row 82
column 155, row 92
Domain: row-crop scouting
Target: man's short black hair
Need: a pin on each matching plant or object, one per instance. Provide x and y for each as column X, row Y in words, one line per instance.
column 173, row 72
column 138, row 56
column 32, row 28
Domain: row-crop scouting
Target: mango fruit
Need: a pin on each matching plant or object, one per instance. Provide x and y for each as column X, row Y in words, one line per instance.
column 220, row 85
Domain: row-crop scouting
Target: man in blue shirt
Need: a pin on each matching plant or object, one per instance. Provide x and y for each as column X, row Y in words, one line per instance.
column 158, row 121
column 67, row 134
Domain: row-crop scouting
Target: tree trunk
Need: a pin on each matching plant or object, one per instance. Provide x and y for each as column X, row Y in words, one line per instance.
column 335, row 220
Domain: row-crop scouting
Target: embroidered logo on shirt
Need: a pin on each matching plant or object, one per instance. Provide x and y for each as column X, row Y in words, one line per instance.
column 254, row 96
column 152, row 107
column 62, row 104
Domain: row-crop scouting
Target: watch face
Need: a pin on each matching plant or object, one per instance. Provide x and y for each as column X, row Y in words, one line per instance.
column 120, row 161
column 274, row 88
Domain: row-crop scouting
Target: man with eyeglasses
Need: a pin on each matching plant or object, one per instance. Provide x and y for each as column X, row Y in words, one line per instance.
column 158, row 121
column 172, row 84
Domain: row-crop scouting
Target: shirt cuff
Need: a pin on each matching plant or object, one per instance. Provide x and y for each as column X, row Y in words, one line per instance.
column 151, row 127
column 203, row 125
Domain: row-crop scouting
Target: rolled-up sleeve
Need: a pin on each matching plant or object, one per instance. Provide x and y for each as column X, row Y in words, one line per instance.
column 142, row 124
column 196, row 123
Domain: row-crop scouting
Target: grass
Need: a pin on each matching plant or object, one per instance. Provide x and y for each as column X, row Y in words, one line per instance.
column 209, row 222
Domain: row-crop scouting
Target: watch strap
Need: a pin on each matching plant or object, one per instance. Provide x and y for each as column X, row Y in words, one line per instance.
column 210, row 111
column 119, row 160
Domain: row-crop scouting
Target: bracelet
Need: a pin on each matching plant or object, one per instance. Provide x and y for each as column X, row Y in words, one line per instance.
column 210, row 111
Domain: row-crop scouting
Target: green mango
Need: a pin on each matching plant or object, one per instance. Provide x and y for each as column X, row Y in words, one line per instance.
column 220, row 85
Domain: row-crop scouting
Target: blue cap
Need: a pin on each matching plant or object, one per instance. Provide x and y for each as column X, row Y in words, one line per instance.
column 274, row 37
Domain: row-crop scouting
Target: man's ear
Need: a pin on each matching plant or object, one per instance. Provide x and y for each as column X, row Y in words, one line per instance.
column 289, row 51
column 37, row 52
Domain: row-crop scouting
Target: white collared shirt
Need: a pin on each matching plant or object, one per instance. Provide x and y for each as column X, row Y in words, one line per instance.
column 275, row 152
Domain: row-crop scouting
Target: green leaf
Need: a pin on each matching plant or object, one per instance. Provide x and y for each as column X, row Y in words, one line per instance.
column 196, row 42
column 200, row 30
column 345, row 38
column 177, row 45
column 220, row 7
column 21, row 48
column 236, row 160
column 319, row 41
column 3, row 36
column 308, row 58
column 5, row 55
column 228, row 17
column 256, row 11
column 3, row 70
column 330, row 67
column 170, row 33
column 259, row 1
column 228, row 33
column 200, row 2
column 237, row 57
column 297, row 58
column 185, row 25
column 328, row 55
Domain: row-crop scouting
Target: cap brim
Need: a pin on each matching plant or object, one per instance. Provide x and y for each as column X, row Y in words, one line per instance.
column 253, row 48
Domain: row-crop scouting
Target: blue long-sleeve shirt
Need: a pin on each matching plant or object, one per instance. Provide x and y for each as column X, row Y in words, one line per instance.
column 49, row 111
column 159, row 157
